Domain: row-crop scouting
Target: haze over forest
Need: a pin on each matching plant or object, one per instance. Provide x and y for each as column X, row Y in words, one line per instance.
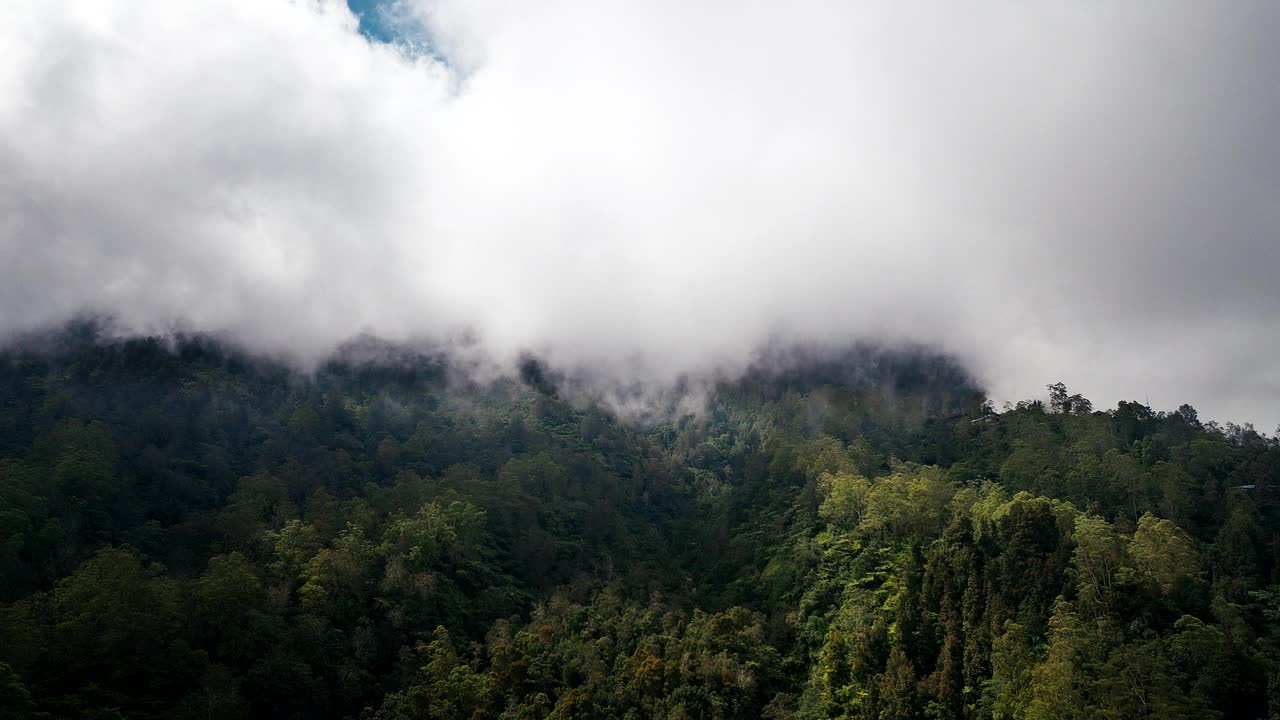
column 656, row 190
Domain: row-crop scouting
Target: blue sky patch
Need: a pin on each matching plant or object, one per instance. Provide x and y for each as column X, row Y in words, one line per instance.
column 374, row 22
column 382, row 21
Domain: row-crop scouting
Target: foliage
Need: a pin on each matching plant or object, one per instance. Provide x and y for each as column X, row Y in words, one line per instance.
column 186, row 531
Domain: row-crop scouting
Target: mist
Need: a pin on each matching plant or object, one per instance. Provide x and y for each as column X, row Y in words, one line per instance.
column 652, row 192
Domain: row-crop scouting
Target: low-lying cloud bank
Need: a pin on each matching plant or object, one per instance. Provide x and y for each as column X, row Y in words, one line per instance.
column 658, row 189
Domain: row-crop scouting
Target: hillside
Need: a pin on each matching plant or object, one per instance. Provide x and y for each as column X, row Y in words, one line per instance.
column 189, row 531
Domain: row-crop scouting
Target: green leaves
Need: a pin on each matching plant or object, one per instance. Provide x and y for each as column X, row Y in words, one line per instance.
column 910, row 504
column 1162, row 552
column 372, row 541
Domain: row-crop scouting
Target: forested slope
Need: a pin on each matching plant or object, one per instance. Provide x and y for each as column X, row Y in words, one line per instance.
column 187, row 531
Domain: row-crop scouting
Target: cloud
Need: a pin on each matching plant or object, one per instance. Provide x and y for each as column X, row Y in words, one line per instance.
column 1072, row 192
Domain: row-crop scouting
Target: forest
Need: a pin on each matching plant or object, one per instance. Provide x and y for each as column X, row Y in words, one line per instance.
column 191, row 531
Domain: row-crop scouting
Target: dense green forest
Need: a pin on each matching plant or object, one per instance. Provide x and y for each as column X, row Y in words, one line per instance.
column 187, row 531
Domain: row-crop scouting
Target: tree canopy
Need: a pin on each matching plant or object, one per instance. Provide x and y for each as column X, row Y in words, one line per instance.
column 190, row 532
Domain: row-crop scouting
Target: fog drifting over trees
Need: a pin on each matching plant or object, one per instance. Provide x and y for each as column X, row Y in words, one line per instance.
column 654, row 190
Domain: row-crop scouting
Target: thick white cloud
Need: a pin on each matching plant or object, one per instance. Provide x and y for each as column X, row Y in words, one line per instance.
column 1076, row 192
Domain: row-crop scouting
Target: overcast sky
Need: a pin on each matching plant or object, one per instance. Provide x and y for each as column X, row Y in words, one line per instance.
column 1085, row 192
